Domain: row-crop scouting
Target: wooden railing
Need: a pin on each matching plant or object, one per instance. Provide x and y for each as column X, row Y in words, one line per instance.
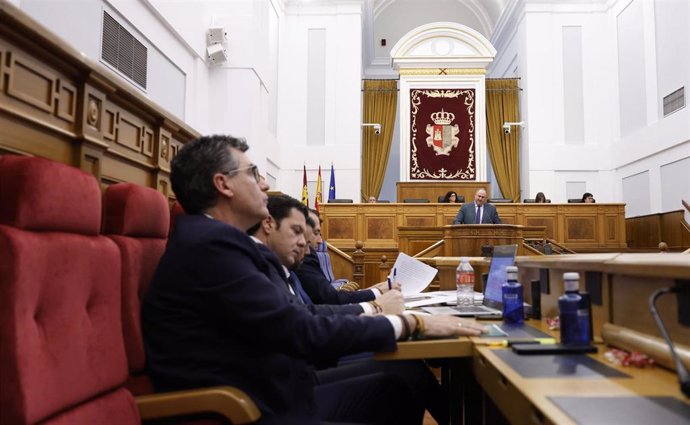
column 646, row 232
column 57, row 104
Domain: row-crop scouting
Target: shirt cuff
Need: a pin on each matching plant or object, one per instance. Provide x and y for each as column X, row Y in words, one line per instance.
column 368, row 309
column 376, row 292
column 397, row 325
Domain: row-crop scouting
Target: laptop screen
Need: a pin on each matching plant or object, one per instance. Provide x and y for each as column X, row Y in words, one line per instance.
column 504, row 256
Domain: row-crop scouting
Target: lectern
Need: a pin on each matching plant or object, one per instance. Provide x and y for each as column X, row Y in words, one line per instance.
column 466, row 240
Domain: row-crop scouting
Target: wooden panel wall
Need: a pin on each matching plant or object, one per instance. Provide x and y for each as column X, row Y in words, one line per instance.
column 580, row 227
column 56, row 104
column 432, row 190
column 645, row 232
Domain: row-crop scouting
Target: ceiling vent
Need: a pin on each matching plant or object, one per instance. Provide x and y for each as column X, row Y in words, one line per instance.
column 674, row 101
column 123, row 51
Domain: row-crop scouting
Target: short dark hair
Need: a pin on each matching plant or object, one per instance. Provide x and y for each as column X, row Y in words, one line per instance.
column 193, row 168
column 586, row 195
column 279, row 207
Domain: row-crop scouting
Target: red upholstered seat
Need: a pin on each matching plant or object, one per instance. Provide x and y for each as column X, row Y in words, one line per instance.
column 175, row 210
column 137, row 219
column 62, row 356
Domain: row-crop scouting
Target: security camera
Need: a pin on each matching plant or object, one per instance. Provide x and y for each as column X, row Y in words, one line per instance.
column 376, row 126
column 507, row 125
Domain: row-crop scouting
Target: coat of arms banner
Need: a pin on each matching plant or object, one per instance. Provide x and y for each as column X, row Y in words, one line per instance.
column 442, row 134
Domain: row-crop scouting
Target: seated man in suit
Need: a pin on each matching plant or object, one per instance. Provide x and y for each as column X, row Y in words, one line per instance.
column 213, row 316
column 477, row 212
column 281, row 239
column 315, row 282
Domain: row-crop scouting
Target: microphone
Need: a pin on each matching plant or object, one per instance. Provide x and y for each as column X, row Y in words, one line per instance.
column 683, row 375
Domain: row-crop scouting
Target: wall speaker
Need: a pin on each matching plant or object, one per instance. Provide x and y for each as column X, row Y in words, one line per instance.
column 217, row 54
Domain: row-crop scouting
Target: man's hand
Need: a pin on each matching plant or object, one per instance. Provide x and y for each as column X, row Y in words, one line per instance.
column 383, row 286
column 443, row 325
column 392, row 302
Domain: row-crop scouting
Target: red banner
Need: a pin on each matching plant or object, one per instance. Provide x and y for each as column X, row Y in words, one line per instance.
column 442, row 145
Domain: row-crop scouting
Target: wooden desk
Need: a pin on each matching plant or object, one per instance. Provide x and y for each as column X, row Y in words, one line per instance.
column 526, row 400
column 429, row 349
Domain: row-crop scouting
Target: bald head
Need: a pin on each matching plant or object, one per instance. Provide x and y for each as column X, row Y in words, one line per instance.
column 480, row 197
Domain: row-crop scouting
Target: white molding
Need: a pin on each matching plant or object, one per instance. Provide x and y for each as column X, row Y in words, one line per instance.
column 442, row 44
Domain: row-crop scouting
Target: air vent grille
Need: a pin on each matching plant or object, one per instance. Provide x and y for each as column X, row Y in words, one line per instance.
column 674, row 101
column 123, row 51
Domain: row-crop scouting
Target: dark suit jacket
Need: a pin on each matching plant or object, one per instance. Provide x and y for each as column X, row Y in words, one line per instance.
column 278, row 276
column 212, row 316
column 319, row 288
column 468, row 214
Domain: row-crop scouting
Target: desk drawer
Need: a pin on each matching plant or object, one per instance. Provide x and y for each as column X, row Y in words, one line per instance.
column 513, row 405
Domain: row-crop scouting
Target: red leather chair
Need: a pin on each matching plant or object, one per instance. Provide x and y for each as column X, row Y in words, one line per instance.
column 62, row 357
column 137, row 219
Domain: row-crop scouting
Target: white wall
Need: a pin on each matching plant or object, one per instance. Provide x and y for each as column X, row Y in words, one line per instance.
column 633, row 53
column 341, row 145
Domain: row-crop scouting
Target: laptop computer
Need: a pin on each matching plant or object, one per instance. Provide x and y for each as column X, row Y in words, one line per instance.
column 492, row 305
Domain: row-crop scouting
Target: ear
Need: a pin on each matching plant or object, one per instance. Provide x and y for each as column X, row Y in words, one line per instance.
column 267, row 225
column 220, row 182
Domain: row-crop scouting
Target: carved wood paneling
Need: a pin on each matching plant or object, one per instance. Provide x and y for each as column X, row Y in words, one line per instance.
column 548, row 222
column 341, row 228
column 581, row 228
column 380, row 227
column 416, row 220
column 58, row 105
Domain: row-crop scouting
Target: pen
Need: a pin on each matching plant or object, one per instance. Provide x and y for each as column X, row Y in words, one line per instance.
column 389, row 284
column 510, row 343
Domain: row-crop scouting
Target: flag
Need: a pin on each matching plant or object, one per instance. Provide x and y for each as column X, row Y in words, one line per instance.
column 318, row 199
column 305, row 193
column 331, row 187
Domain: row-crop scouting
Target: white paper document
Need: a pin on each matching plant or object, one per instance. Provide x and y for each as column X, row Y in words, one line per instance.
column 413, row 275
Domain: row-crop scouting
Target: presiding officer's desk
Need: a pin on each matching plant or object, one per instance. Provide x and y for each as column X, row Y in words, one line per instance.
column 625, row 282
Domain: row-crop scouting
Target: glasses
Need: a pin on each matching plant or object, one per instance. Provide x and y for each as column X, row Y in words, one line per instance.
column 254, row 169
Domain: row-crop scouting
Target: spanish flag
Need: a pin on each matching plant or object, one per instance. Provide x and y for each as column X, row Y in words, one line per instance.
column 318, row 199
column 305, row 192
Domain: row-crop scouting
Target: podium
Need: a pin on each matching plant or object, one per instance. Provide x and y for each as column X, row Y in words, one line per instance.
column 466, row 240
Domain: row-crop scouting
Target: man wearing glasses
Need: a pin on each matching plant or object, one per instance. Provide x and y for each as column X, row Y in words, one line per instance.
column 212, row 315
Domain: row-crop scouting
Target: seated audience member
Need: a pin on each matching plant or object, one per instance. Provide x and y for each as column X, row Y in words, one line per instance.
column 372, row 200
column 477, row 212
column 588, row 198
column 451, row 197
column 317, row 285
column 213, row 316
column 281, row 239
column 284, row 233
column 540, row 198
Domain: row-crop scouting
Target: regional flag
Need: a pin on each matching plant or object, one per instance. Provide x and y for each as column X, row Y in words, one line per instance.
column 318, row 199
column 305, row 193
column 331, row 187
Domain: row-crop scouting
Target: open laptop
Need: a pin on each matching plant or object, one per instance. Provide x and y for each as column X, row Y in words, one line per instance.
column 492, row 305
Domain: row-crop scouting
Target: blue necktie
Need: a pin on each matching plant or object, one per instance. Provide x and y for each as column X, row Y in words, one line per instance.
column 478, row 219
column 297, row 286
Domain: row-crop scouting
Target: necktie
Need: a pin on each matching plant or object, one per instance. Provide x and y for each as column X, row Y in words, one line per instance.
column 297, row 285
column 478, row 219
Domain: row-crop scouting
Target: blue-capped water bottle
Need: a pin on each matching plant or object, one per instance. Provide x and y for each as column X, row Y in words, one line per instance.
column 574, row 313
column 513, row 310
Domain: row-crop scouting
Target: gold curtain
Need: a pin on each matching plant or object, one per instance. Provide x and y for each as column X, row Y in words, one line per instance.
column 380, row 102
column 502, row 106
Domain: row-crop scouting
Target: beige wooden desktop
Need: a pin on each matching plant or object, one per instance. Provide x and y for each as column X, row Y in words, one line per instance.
column 526, row 400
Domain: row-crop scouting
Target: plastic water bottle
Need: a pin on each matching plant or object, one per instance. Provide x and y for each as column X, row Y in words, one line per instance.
column 513, row 310
column 464, row 281
column 574, row 313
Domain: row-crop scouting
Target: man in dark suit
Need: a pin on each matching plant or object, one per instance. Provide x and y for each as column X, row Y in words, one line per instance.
column 281, row 239
column 477, row 212
column 316, row 284
column 213, row 316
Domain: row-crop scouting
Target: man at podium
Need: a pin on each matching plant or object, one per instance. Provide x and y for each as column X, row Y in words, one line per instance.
column 477, row 212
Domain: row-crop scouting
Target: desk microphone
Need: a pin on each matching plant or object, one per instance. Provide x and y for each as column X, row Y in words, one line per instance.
column 683, row 375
